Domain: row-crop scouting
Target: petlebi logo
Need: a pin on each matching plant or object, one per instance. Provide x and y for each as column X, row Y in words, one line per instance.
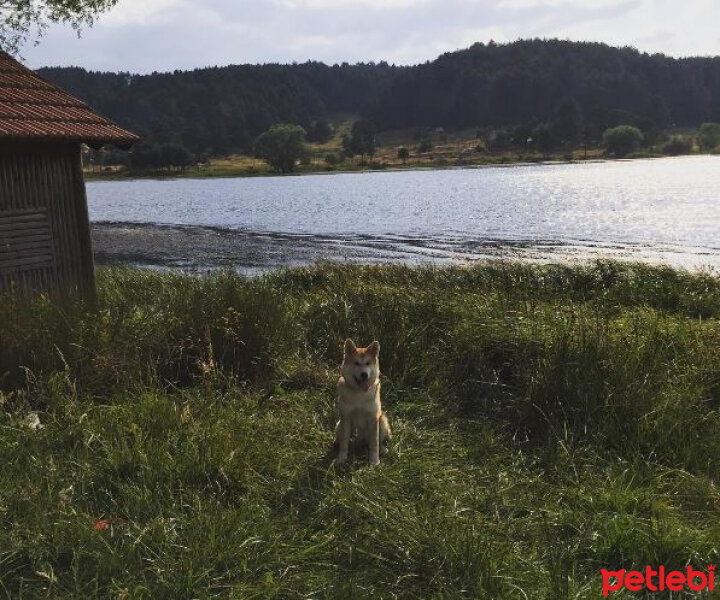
column 659, row 580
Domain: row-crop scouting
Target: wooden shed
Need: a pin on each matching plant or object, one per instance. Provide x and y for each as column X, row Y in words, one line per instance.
column 45, row 239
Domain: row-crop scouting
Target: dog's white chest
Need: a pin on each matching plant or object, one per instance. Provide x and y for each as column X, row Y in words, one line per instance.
column 357, row 403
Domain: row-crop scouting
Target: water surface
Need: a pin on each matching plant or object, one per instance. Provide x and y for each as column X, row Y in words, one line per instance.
column 663, row 210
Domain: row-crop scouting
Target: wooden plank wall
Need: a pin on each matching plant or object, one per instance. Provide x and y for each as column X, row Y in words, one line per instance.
column 47, row 178
column 25, row 240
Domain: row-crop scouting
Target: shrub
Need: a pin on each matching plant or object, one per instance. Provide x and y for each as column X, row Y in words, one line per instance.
column 425, row 146
column 333, row 158
column 677, row 145
column 545, row 139
column 499, row 141
column 709, row 136
column 622, row 140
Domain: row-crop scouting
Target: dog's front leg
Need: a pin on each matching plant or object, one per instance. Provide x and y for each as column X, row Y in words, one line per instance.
column 374, row 441
column 343, row 435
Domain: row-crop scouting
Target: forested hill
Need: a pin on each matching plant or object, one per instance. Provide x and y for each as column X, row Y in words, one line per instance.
column 581, row 87
column 222, row 109
column 537, row 80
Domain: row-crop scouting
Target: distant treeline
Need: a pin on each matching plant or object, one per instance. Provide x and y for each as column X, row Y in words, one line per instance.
column 572, row 91
column 221, row 110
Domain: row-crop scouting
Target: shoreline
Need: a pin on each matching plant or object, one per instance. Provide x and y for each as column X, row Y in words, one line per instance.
column 202, row 249
column 243, row 173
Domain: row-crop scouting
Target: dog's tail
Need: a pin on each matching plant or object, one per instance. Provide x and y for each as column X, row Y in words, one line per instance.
column 385, row 431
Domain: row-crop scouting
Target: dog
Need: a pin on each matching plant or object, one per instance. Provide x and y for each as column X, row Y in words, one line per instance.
column 358, row 401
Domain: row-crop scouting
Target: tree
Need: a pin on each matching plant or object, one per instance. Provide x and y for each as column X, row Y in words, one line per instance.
column 175, row 155
column 709, row 136
column 560, row 83
column 622, row 140
column 425, row 146
column 282, row 146
column 149, row 156
column 568, row 121
column 145, row 156
column 403, row 154
column 544, row 137
column 320, row 132
column 18, row 18
column 499, row 142
column 347, row 145
column 362, row 140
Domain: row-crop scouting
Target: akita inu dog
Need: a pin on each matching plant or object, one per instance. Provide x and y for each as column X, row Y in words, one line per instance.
column 358, row 402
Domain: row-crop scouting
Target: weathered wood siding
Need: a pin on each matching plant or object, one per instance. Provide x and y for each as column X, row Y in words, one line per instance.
column 44, row 227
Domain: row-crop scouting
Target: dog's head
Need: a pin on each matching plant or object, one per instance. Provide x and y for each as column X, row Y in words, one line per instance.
column 361, row 366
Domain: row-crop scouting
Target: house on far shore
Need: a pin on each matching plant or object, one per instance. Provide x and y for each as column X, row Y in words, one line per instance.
column 45, row 242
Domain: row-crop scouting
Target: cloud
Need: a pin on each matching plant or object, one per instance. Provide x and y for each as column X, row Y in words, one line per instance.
column 592, row 4
column 335, row 4
column 147, row 35
column 141, row 12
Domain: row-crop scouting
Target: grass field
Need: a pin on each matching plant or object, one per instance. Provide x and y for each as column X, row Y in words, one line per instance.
column 447, row 151
column 549, row 422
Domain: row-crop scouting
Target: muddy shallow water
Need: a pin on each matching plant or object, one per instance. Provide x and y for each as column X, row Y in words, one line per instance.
column 658, row 211
column 200, row 249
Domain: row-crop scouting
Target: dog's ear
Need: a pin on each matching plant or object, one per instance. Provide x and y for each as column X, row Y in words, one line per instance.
column 350, row 347
column 374, row 348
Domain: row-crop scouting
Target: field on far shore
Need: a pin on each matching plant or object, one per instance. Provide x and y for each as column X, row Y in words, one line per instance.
column 172, row 441
column 449, row 148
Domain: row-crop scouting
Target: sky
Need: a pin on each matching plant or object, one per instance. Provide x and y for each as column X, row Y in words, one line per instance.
column 142, row 36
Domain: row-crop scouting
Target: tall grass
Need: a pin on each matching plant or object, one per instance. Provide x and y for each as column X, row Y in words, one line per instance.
column 550, row 421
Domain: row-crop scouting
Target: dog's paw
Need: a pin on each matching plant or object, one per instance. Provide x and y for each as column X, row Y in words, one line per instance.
column 374, row 462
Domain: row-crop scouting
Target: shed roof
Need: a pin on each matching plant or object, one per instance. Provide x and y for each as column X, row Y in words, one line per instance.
column 34, row 109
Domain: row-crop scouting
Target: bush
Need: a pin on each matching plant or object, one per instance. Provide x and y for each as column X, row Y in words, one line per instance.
column 709, row 136
column 499, row 141
column 149, row 157
column 425, row 146
column 622, row 140
column 544, row 138
column 333, row 158
column 320, row 132
column 677, row 145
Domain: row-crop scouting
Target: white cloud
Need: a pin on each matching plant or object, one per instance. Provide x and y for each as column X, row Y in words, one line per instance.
column 335, row 4
column 146, row 35
column 588, row 4
column 140, row 12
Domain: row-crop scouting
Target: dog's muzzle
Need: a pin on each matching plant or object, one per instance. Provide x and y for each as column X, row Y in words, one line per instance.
column 363, row 382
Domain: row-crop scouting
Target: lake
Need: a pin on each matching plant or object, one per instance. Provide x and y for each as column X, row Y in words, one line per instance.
column 663, row 210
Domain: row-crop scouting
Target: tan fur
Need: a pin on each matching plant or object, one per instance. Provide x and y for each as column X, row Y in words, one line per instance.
column 358, row 402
